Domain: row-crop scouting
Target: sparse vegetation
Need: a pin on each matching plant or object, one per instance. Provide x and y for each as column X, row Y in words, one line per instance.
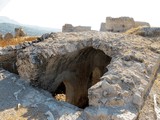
column 133, row 30
column 16, row 41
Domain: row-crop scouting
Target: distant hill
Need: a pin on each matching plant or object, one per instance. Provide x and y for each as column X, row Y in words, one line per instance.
column 4, row 19
column 8, row 25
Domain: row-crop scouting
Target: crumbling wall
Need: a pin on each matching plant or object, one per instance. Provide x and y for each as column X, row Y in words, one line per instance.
column 120, row 24
column 8, row 55
column 148, row 32
column 139, row 23
column 70, row 28
column 121, row 90
column 103, row 27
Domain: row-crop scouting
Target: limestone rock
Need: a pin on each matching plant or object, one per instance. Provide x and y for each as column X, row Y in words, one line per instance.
column 145, row 31
column 139, row 23
column 19, row 32
column 31, row 103
column 8, row 36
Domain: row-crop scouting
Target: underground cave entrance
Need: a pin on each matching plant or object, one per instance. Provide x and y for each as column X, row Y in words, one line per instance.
column 83, row 71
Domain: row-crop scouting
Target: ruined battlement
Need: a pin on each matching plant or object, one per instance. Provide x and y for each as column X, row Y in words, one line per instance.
column 71, row 28
column 121, row 24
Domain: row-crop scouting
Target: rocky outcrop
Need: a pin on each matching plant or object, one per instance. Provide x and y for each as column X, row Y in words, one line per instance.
column 79, row 59
column 8, row 36
column 8, row 55
column 1, row 36
column 70, row 28
column 145, row 31
column 139, row 23
column 19, row 32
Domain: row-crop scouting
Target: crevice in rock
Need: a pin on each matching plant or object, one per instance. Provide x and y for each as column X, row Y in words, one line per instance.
column 82, row 70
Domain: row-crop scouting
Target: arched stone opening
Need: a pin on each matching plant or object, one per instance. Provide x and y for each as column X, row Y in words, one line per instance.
column 84, row 69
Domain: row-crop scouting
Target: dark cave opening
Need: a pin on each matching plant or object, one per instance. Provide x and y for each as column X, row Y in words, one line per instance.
column 83, row 70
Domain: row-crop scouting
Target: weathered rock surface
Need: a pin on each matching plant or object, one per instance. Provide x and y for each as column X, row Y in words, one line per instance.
column 71, row 28
column 8, row 36
column 19, row 32
column 139, row 23
column 8, row 55
column 146, row 31
column 120, row 92
column 20, row 101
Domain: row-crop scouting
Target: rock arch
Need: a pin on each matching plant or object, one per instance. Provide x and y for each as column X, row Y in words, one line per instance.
column 82, row 70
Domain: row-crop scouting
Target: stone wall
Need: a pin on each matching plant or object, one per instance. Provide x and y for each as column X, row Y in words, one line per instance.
column 70, row 28
column 121, row 24
column 103, row 27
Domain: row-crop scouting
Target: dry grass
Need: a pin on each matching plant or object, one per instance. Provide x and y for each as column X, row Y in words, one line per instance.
column 133, row 30
column 60, row 97
column 15, row 41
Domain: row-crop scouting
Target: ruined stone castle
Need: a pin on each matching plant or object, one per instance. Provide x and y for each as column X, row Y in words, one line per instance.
column 71, row 28
column 121, row 24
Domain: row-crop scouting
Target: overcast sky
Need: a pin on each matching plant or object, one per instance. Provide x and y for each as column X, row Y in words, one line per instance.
column 55, row 13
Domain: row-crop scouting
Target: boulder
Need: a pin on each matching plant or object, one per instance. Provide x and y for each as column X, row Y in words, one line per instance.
column 8, row 36
column 19, row 32
column 145, row 31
